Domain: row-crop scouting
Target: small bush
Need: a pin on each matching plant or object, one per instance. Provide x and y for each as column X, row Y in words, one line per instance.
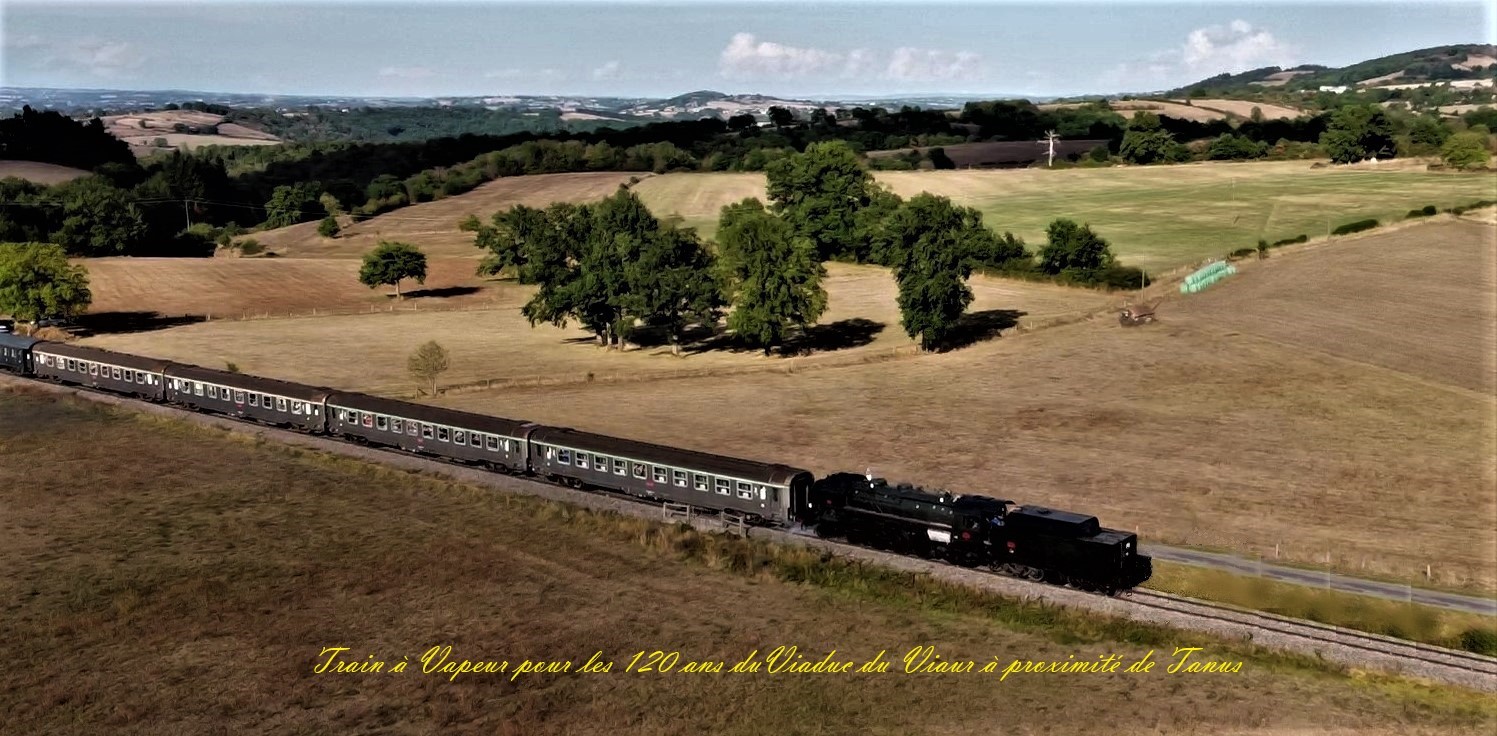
column 1242, row 253
column 1355, row 227
column 328, row 228
column 1301, row 238
column 1473, row 206
column 1480, row 641
column 231, row 367
column 1262, row 248
column 250, row 246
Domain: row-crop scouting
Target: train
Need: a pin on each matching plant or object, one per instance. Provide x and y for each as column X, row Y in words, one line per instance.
column 1036, row 543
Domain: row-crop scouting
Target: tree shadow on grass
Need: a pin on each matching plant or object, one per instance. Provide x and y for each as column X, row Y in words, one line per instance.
column 114, row 323
column 975, row 327
column 445, row 292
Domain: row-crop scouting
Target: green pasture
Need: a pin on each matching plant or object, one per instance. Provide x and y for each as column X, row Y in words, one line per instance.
column 1156, row 217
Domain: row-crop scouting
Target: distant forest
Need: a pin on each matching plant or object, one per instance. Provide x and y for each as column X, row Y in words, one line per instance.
column 184, row 203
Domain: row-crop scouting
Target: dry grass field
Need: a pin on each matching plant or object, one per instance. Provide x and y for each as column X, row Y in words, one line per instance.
column 238, row 287
column 434, row 225
column 175, row 593
column 39, row 173
column 1244, row 109
column 1198, row 110
column 1208, row 429
column 862, row 321
column 1156, row 217
column 140, row 130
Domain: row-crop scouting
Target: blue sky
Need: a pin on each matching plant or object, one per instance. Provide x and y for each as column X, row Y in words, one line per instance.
column 873, row 47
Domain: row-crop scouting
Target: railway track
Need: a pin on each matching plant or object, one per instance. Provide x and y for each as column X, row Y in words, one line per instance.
column 1477, row 670
column 1355, row 649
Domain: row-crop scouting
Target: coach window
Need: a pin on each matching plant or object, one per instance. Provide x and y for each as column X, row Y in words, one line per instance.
column 679, row 477
column 381, row 423
column 129, row 376
column 699, row 481
column 93, row 369
column 413, row 428
column 493, row 443
column 72, row 365
column 564, row 457
column 140, row 377
column 639, row 470
column 620, row 467
column 280, row 404
column 581, row 460
column 426, row 431
column 459, row 437
column 296, row 408
column 239, row 397
column 254, row 399
column 764, row 494
column 115, row 373
column 442, row 434
column 745, row 490
column 724, row 487
column 395, row 426
column 658, row 474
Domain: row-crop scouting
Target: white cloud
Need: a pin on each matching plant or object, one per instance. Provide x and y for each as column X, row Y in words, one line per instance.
column 91, row 55
column 927, row 65
column 406, row 72
column 609, row 70
column 746, row 57
column 1237, row 47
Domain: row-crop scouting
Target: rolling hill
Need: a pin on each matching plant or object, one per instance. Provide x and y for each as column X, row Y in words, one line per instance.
column 1435, row 64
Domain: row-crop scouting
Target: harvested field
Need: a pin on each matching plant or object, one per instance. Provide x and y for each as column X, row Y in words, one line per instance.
column 433, row 225
column 1129, row 108
column 1156, row 217
column 235, row 287
column 39, row 173
column 862, row 322
column 141, row 130
column 1244, row 108
column 1191, row 431
column 162, row 596
column 1425, row 322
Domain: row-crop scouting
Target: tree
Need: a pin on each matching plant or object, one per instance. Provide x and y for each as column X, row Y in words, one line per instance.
column 940, row 160
column 1428, row 132
column 741, row 122
column 1467, row 150
column 1074, row 249
column 933, row 246
column 98, row 219
column 1145, row 142
column 390, row 263
column 37, row 281
column 427, row 363
column 328, row 228
column 773, row 276
column 289, row 205
column 1358, row 132
column 674, row 284
column 780, row 116
column 819, row 193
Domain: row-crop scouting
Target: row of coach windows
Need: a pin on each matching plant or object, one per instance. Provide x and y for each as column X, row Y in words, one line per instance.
column 657, row 473
column 98, row 370
column 238, row 396
column 395, row 425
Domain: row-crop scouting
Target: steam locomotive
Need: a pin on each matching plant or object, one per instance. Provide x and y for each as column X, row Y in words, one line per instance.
column 1035, row 543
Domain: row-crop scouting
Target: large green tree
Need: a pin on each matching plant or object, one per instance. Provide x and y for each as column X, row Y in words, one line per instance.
column 289, row 205
column 773, row 275
column 98, row 219
column 1146, row 142
column 674, row 284
column 1467, row 150
column 392, row 262
column 1074, row 249
column 933, row 245
column 1359, row 132
column 37, row 281
column 819, row 194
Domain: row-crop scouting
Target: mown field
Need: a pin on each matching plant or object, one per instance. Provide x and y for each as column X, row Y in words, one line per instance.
column 862, row 319
column 1232, row 433
column 1156, row 217
column 39, row 173
column 150, row 585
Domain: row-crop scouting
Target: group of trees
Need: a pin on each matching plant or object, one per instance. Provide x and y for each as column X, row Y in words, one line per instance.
column 612, row 266
column 37, row 281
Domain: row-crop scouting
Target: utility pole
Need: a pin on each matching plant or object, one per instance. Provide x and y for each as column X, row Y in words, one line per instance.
column 1050, row 137
column 186, row 213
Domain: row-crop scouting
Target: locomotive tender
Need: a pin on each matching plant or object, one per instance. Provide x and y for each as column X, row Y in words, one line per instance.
column 969, row 530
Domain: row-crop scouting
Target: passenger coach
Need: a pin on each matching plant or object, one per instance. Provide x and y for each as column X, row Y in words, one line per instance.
column 98, row 368
column 15, row 353
column 264, row 400
column 475, row 439
column 766, row 490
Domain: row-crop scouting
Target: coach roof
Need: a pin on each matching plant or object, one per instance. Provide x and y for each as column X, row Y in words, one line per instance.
column 428, row 414
column 99, row 355
column 732, row 467
column 8, row 340
column 256, row 384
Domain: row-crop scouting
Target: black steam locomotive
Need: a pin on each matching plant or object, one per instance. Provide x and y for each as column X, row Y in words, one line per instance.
column 1039, row 544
